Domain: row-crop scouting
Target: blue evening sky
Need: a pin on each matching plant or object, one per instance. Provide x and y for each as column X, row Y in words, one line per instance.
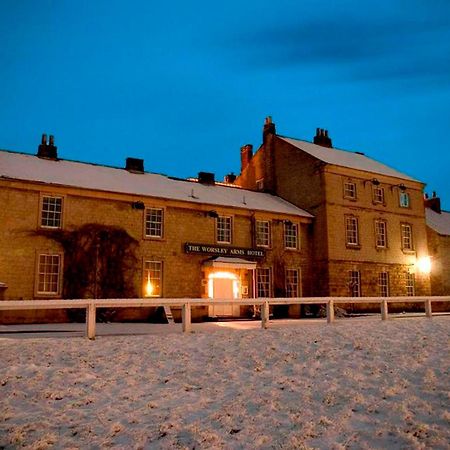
column 183, row 84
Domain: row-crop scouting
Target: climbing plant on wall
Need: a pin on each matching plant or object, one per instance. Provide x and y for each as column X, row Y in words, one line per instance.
column 99, row 261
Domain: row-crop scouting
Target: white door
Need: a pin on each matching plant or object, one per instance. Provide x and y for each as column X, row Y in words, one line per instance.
column 223, row 288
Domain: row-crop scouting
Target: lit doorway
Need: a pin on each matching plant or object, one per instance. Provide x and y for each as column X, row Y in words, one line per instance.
column 223, row 285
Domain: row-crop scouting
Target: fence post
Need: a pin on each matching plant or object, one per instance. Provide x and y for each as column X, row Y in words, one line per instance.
column 91, row 320
column 186, row 317
column 265, row 315
column 384, row 310
column 330, row 311
column 428, row 310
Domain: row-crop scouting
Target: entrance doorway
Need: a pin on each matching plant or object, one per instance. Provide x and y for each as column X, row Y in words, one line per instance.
column 223, row 285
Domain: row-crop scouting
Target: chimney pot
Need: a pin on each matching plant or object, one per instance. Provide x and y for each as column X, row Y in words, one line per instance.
column 47, row 151
column 268, row 129
column 230, row 178
column 434, row 203
column 134, row 165
column 322, row 138
column 206, row 178
column 51, row 140
column 246, row 156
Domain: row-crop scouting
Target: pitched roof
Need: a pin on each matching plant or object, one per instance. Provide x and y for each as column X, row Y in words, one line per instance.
column 19, row 166
column 346, row 158
column 438, row 222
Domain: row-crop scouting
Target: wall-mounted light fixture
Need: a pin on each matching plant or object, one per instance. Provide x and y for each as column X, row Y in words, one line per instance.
column 138, row 205
column 212, row 214
column 400, row 186
column 424, row 264
column 374, row 181
column 287, row 222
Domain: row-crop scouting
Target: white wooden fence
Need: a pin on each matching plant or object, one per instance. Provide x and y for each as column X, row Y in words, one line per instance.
column 186, row 304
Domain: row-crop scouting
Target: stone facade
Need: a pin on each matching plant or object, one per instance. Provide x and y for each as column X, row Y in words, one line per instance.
column 22, row 240
column 318, row 187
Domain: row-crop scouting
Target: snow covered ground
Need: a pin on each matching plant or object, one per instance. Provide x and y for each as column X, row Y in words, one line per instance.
column 359, row 383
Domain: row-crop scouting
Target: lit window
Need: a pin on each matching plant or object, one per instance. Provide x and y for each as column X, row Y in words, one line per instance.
column 404, row 199
column 378, row 194
column 380, row 234
column 263, row 282
column 383, row 283
column 153, row 278
column 351, row 230
column 51, row 212
column 410, row 284
column 290, row 235
column 224, row 226
column 49, row 273
column 154, row 220
column 355, row 283
column 292, row 282
column 407, row 241
column 350, row 190
column 262, row 233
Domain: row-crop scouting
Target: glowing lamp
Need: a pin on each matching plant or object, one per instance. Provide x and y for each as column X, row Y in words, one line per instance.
column 148, row 287
column 424, row 264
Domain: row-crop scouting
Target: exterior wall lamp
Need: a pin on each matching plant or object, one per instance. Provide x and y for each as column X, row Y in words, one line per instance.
column 212, row 214
column 374, row 181
column 424, row 264
column 400, row 186
column 138, row 205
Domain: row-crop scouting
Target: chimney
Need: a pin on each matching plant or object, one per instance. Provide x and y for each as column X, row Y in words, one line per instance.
column 230, row 178
column 246, row 156
column 206, row 178
column 134, row 165
column 322, row 138
column 47, row 150
column 434, row 203
column 269, row 128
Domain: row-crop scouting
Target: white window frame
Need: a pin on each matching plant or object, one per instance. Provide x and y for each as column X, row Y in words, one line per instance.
column 383, row 283
column 380, row 233
column 224, row 229
column 355, row 283
column 352, row 231
column 291, row 240
column 154, row 222
column 350, row 190
column 263, row 233
column 50, row 212
column 292, row 283
column 378, row 194
column 410, row 284
column 264, row 282
column 152, row 267
column 402, row 197
column 44, row 260
column 407, row 237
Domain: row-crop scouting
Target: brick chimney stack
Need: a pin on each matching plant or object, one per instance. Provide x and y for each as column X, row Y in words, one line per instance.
column 269, row 128
column 434, row 203
column 246, row 155
column 47, row 150
column 322, row 138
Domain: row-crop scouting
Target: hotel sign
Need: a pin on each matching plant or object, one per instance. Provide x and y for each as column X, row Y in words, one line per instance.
column 218, row 250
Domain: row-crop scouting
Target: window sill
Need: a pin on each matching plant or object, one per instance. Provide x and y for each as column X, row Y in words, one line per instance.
column 408, row 252
column 154, row 238
column 353, row 246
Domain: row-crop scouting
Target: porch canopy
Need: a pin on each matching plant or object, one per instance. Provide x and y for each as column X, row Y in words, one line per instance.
column 230, row 263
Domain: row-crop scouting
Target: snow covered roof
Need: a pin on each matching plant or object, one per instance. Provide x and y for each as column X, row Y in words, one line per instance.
column 438, row 222
column 27, row 167
column 346, row 158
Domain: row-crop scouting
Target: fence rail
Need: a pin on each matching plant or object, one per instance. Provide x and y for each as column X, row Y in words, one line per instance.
column 91, row 305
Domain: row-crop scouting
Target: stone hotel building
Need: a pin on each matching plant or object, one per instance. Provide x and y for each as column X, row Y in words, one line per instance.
column 301, row 219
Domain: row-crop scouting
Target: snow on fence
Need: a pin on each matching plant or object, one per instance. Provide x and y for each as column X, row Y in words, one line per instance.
column 186, row 304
